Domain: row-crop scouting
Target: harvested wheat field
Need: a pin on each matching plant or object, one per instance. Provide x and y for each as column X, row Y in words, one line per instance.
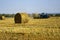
column 35, row 29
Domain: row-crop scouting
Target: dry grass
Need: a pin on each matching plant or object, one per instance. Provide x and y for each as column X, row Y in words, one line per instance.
column 35, row 29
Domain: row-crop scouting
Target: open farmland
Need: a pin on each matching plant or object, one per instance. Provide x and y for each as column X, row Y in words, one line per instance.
column 35, row 29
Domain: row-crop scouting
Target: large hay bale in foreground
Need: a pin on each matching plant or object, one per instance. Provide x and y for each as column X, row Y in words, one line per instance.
column 21, row 18
column 2, row 17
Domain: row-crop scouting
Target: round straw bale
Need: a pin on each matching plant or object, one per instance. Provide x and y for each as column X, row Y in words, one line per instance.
column 21, row 18
column 2, row 17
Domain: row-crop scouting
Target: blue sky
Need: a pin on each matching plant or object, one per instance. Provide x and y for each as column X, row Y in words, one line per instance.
column 30, row 6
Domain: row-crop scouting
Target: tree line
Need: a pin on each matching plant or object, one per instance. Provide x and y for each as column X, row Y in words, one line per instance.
column 35, row 15
column 7, row 15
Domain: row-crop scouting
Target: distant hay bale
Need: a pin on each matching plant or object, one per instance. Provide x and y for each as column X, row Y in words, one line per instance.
column 21, row 18
column 2, row 17
column 36, row 16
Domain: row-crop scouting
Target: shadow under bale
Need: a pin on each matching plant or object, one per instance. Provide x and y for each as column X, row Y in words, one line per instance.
column 21, row 18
